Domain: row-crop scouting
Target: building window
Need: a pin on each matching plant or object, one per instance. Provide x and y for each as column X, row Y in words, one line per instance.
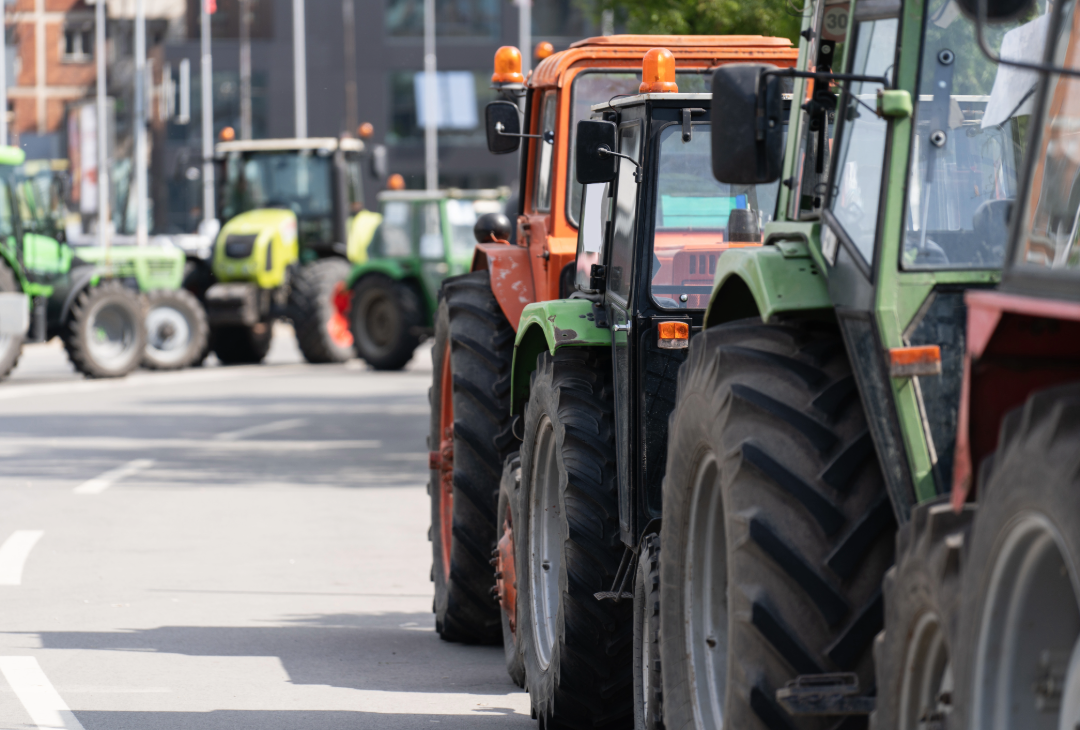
column 453, row 18
column 78, row 43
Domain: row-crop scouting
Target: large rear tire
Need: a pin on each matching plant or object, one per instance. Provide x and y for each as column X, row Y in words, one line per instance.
column 913, row 656
column 10, row 345
column 176, row 330
column 239, row 345
column 777, row 528
column 319, row 307
column 470, row 428
column 648, row 692
column 105, row 333
column 578, row 650
column 1018, row 663
column 507, row 514
column 387, row 317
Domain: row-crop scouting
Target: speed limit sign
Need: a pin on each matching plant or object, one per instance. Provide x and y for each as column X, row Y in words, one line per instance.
column 834, row 23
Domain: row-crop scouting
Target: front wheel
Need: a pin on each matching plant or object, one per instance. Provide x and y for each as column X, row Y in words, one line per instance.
column 777, row 529
column 105, row 334
column 387, row 317
column 176, row 330
column 319, row 305
column 10, row 344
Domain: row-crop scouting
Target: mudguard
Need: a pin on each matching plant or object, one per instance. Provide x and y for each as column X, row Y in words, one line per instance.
column 549, row 326
column 766, row 281
column 511, row 277
column 274, row 248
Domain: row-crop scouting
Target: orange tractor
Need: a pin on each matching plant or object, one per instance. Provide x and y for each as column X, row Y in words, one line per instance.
column 472, row 430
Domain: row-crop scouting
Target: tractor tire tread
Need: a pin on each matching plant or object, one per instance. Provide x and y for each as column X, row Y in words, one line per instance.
column 310, row 308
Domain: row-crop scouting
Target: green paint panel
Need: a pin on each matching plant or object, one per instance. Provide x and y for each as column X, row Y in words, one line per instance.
column 152, row 267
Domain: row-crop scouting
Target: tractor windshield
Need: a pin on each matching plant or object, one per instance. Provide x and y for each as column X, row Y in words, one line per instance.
column 970, row 120
column 596, row 87
column 298, row 180
column 698, row 218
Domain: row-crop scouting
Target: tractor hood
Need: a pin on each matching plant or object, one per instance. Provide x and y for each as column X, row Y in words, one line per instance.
column 256, row 246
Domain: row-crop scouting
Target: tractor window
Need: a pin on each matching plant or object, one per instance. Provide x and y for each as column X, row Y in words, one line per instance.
column 431, row 238
column 354, row 181
column 1052, row 221
column 297, row 180
column 622, row 240
column 545, row 154
column 396, row 229
column 462, row 215
column 860, row 159
column 698, row 218
column 967, row 140
column 7, row 227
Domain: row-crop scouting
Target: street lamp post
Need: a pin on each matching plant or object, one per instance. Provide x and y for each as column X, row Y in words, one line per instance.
column 141, row 223
column 431, row 101
column 104, row 218
column 245, row 69
column 300, row 69
column 209, row 222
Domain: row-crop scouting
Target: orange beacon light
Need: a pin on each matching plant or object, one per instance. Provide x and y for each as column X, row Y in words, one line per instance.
column 658, row 72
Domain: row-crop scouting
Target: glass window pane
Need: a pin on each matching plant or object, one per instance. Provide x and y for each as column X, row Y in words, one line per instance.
column 431, row 238
column 622, row 239
column 462, row 215
column 396, row 229
column 861, row 158
column 542, row 190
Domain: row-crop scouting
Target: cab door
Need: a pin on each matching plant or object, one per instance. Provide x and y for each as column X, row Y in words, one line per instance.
column 618, row 295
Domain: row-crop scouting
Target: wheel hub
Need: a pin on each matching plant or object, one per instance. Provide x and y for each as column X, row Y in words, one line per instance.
column 112, row 335
column 505, row 574
column 337, row 326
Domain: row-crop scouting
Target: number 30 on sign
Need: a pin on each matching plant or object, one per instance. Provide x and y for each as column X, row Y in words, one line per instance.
column 834, row 23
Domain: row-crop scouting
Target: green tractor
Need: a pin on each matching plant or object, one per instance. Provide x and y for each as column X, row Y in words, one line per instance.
column 422, row 238
column 46, row 292
column 175, row 321
column 294, row 220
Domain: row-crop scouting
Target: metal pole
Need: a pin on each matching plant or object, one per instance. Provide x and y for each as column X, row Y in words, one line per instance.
column 245, row 69
column 104, row 218
column 352, row 111
column 431, row 101
column 3, row 77
column 141, row 223
column 209, row 214
column 525, row 34
column 299, row 69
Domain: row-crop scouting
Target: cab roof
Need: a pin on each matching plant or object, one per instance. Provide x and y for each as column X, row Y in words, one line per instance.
column 286, row 145
column 449, row 193
column 637, row 98
column 627, row 50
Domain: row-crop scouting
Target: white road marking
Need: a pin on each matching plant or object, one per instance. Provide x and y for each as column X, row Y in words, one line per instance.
column 261, row 428
column 13, row 554
column 43, row 703
column 99, row 484
column 110, row 443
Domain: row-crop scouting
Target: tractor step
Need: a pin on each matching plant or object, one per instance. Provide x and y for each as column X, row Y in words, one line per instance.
column 824, row 694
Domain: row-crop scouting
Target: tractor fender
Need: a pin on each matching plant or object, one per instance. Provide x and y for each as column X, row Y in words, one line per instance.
column 80, row 278
column 511, row 277
column 765, row 281
column 550, row 326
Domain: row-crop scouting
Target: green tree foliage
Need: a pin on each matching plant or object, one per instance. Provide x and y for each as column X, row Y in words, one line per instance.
column 707, row 17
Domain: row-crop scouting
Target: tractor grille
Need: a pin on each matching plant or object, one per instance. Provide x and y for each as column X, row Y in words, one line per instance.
column 239, row 247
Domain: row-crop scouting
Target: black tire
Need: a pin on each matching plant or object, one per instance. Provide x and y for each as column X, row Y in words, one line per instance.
column 322, row 330
column 648, row 692
column 177, row 334
column 239, row 345
column 913, row 655
column 579, row 651
column 1021, row 583
column 10, row 345
column 505, row 574
column 387, row 318
column 471, row 329
column 105, row 332
column 768, row 424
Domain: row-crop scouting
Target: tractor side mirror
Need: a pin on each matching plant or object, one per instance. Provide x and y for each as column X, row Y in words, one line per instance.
column 748, row 124
column 590, row 242
column 503, row 126
column 997, row 11
column 595, row 160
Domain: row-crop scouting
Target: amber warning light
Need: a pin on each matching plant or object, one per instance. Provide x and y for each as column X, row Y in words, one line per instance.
column 658, row 72
column 507, row 66
column 674, row 336
column 914, row 361
column 543, row 50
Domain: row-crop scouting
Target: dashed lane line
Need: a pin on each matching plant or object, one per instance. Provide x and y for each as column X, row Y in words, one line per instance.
column 261, row 428
column 99, row 484
column 43, row 703
column 13, row 554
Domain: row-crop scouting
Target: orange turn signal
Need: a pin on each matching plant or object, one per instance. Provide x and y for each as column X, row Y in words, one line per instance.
column 543, row 50
column 507, row 66
column 674, row 335
column 365, row 130
column 658, row 72
column 914, row 361
column 228, row 134
column 395, row 182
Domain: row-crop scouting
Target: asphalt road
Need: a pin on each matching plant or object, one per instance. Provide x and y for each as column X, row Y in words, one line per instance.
column 226, row 548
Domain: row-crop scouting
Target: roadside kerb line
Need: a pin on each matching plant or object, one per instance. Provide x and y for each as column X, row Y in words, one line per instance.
column 13, row 554
column 261, row 428
column 43, row 703
column 99, row 484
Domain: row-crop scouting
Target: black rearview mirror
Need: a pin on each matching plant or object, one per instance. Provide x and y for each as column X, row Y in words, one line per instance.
column 593, row 159
column 503, row 125
column 748, row 124
column 997, row 11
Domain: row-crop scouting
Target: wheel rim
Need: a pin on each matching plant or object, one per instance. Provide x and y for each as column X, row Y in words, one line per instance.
column 168, row 333
column 646, row 658
column 1030, row 614
column 337, row 325
column 379, row 323
column 927, row 684
column 505, row 572
column 706, row 616
column 545, row 541
column 446, row 462
column 112, row 335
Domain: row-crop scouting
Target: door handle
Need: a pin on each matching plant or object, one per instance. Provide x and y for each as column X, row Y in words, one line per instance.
column 620, row 327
